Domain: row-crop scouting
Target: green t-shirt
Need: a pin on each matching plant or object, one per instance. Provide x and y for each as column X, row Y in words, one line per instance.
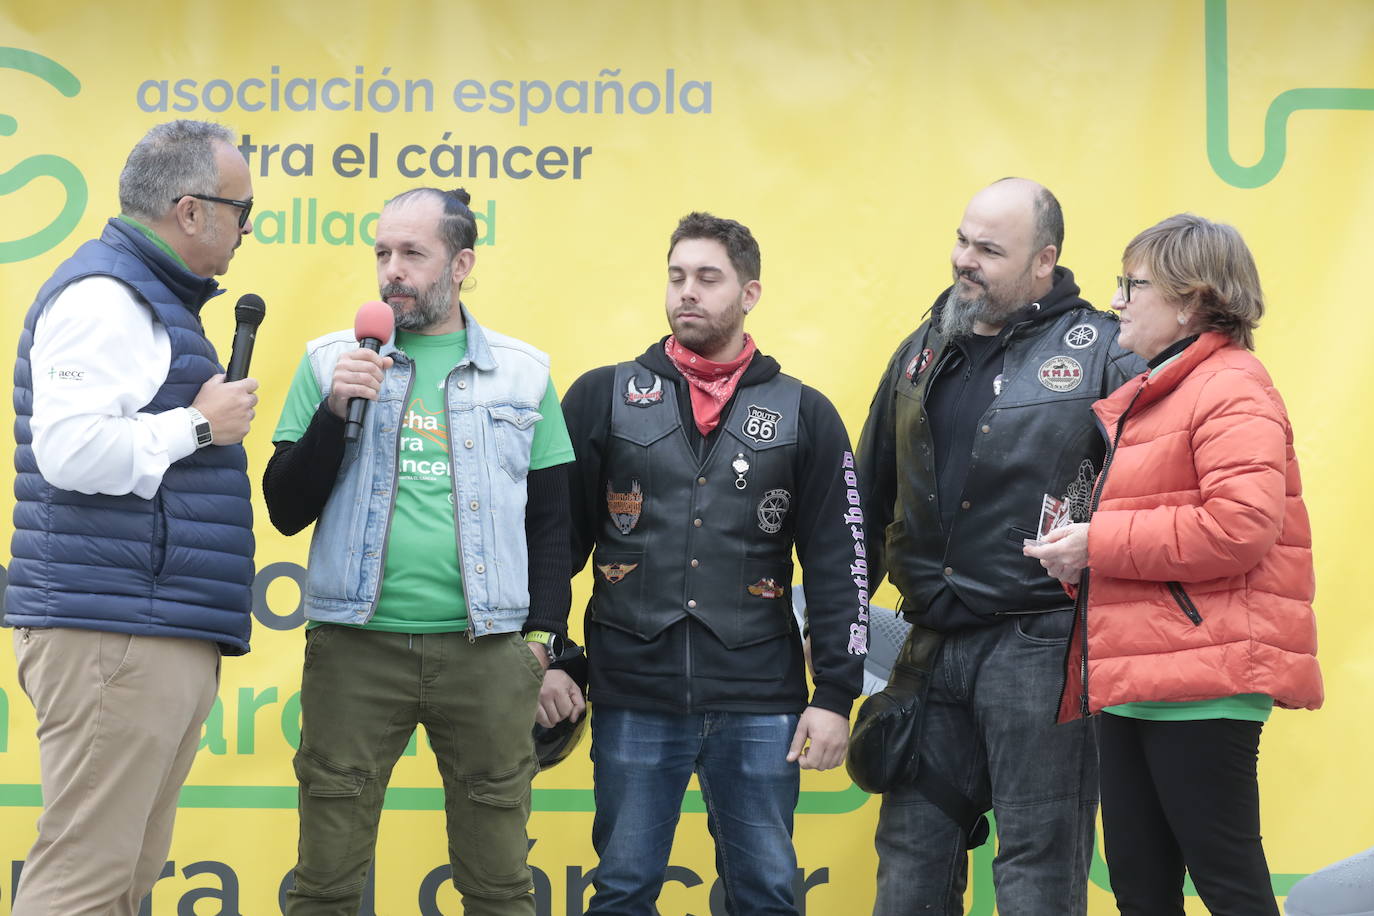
column 422, row 582
column 1250, row 707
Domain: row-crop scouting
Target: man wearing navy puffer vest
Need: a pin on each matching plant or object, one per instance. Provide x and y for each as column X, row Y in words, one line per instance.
column 133, row 544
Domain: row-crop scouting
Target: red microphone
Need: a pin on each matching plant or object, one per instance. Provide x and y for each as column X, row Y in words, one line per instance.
column 372, row 326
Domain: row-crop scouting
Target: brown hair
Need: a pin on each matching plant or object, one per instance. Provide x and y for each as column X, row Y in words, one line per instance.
column 738, row 241
column 1207, row 267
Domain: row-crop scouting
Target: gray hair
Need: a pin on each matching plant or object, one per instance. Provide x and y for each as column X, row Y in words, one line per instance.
column 172, row 160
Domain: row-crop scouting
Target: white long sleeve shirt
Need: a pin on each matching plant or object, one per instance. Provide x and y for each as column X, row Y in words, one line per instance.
column 98, row 357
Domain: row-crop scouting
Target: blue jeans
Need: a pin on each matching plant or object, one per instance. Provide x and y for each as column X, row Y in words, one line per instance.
column 642, row 762
column 990, row 730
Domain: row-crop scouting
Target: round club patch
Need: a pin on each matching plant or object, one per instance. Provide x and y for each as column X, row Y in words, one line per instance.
column 1061, row 373
column 773, row 509
column 918, row 364
column 1080, row 336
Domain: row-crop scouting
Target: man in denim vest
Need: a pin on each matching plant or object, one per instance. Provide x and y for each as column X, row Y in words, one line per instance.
column 440, row 548
column 133, row 530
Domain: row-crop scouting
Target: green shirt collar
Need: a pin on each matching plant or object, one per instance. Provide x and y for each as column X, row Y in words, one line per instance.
column 154, row 238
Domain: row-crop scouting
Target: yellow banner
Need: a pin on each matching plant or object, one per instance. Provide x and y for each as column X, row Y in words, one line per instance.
column 849, row 138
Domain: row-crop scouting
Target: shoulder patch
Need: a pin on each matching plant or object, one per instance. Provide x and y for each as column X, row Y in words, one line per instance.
column 761, row 424
column 919, row 363
column 1080, row 336
column 636, row 396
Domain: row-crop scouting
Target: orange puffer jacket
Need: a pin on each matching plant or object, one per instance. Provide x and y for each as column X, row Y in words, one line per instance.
column 1200, row 577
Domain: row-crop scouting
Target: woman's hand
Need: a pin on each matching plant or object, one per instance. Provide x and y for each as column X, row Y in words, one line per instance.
column 1063, row 552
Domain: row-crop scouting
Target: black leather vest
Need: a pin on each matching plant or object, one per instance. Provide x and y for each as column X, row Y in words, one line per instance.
column 706, row 537
column 1038, row 438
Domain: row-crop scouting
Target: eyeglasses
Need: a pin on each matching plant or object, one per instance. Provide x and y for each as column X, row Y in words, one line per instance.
column 245, row 206
column 1124, row 284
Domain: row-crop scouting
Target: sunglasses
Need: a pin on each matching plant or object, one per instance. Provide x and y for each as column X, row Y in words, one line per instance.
column 245, row 206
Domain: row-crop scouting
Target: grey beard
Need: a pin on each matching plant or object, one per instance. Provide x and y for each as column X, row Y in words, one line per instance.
column 960, row 314
column 431, row 306
column 956, row 318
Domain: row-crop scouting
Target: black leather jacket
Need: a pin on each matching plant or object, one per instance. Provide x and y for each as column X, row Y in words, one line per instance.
column 1037, row 438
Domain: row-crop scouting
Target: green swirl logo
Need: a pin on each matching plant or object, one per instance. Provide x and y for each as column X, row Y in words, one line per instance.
column 45, row 165
column 1284, row 105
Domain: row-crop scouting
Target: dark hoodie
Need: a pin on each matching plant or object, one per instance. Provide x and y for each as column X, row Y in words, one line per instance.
column 685, row 669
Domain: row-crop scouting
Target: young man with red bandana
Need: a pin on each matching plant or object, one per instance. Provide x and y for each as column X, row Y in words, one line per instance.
column 700, row 466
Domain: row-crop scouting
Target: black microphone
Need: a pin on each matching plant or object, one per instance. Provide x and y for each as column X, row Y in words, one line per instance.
column 250, row 311
column 373, row 327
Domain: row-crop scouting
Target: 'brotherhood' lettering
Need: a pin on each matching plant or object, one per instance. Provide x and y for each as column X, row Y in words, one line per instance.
column 854, row 518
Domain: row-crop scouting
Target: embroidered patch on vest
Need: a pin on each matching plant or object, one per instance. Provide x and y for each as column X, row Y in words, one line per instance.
column 1075, row 506
column 1080, row 336
column 1079, row 495
column 773, row 509
column 761, row 424
column 625, row 507
column 643, row 397
column 1061, row 373
column 918, row 364
column 614, row 572
column 766, row 588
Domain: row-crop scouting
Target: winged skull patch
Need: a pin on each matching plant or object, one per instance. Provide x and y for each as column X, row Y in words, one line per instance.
column 643, row 397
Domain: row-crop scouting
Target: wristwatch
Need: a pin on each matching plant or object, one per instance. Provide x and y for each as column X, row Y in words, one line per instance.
column 202, row 426
column 554, row 644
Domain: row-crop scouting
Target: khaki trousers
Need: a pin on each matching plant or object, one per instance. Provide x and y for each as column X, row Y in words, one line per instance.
column 119, row 720
column 363, row 693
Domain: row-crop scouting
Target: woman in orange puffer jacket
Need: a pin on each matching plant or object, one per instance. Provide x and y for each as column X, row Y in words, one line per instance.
column 1195, row 598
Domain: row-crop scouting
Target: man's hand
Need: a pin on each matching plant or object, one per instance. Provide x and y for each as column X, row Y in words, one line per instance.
column 828, row 733
column 228, row 406
column 1063, row 552
column 560, row 698
column 356, row 375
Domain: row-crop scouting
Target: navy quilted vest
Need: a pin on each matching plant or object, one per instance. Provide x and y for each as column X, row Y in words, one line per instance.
column 179, row 564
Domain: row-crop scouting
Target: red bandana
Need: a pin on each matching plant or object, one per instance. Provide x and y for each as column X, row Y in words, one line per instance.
column 711, row 384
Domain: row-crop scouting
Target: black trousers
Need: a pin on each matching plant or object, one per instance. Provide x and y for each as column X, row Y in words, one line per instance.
column 1183, row 795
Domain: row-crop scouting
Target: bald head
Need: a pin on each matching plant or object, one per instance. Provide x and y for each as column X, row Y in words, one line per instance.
column 1004, row 256
column 1046, row 217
